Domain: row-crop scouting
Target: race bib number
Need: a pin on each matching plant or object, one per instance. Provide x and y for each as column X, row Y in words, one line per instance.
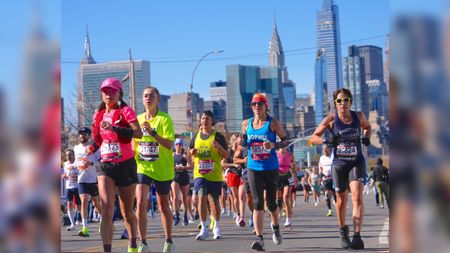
column 109, row 151
column 346, row 150
column 205, row 166
column 82, row 163
column 148, row 151
column 291, row 180
column 259, row 152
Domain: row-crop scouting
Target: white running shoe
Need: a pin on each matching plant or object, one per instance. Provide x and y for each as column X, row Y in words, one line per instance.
column 288, row 223
column 203, row 235
column 217, row 233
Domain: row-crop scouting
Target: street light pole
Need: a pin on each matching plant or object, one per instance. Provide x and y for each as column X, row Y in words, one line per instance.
column 191, row 85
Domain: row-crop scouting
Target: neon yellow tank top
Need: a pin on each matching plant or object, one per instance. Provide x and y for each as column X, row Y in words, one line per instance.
column 207, row 161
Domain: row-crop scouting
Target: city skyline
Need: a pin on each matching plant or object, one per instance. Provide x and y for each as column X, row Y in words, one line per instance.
column 244, row 41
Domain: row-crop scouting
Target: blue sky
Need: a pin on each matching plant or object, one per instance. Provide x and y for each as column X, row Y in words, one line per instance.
column 173, row 35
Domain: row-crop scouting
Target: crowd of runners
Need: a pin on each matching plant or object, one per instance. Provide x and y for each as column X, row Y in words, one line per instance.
column 136, row 164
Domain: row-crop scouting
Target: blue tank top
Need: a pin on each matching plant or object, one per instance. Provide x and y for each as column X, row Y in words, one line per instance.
column 259, row 158
column 349, row 145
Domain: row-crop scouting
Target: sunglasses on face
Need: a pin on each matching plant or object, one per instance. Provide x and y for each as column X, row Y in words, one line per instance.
column 257, row 103
column 342, row 100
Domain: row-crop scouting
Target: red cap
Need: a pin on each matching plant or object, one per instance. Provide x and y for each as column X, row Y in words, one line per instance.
column 112, row 83
column 258, row 97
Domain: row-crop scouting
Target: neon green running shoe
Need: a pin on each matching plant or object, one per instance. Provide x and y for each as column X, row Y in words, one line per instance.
column 130, row 249
column 84, row 232
column 330, row 213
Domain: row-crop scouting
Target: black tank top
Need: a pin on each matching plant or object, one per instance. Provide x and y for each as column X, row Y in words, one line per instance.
column 179, row 159
column 349, row 145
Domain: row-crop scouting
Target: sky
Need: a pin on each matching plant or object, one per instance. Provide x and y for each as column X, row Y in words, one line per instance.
column 174, row 35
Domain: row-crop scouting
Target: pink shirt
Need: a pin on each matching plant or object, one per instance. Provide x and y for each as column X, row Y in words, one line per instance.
column 130, row 116
column 284, row 161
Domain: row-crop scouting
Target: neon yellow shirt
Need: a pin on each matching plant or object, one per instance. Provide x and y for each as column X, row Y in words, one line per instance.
column 207, row 161
column 153, row 159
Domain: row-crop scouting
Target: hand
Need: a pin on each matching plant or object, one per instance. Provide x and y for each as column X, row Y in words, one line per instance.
column 268, row 145
column 146, row 126
column 216, row 145
column 106, row 125
column 365, row 140
column 193, row 151
column 90, row 150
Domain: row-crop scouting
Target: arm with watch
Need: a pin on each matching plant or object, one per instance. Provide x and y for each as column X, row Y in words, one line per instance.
column 152, row 132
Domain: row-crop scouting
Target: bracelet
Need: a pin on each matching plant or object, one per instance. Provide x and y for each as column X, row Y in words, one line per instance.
column 153, row 132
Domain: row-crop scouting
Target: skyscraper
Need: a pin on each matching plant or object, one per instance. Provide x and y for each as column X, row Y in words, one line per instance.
column 91, row 75
column 218, row 90
column 373, row 62
column 321, row 102
column 276, row 54
column 328, row 38
column 355, row 80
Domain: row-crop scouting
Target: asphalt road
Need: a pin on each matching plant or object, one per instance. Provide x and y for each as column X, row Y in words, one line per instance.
column 312, row 231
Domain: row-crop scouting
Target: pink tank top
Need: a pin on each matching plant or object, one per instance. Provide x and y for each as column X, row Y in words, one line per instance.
column 284, row 161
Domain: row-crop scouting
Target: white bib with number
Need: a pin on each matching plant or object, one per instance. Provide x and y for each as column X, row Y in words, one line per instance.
column 346, row 150
column 259, row 152
column 109, row 151
column 205, row 166
column 148, row 151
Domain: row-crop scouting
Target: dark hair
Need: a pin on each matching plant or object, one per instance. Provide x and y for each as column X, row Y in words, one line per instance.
column 342, row 90
column 121, row 103
column 157, row 93
column 70, row 150
column 209, row 114
column 380, row 161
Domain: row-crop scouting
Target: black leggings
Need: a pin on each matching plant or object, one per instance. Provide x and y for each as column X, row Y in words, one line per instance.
column 260, row 181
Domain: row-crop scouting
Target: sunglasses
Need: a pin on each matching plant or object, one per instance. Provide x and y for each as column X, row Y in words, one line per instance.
column 344, row 100
column 258, row 103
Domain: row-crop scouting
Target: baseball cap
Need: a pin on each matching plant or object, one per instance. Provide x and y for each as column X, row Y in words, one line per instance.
column 84, row 130
column 178, row 141
column 112, row 83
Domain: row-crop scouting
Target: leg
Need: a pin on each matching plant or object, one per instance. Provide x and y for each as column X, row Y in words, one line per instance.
column 84, row 208
column 166, row 214
column 242, row 201
column 126, row 199
column 287, row 201
column 106, row 188
column 356, row 188
column 142, row 191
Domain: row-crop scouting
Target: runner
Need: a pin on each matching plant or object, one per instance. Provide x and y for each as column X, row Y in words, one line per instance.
column 234, row 182
column 87, row 178
column 115, row 124
column 72, row 196
column 153, row 154
column 287, row 173
column 306, row 186
column 208, row 148
column 259, row 133
column 348, row 161
column 325, row 165
column 181, row 183
column 314, row 181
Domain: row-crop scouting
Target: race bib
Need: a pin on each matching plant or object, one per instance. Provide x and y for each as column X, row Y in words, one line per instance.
column 291, row 180
column 109, row 151
column 148, row 151
column 346, row 150
column 205, row 166
column 259, row 152
column 82, row 163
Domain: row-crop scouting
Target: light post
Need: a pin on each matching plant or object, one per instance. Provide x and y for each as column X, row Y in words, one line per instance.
column 191, row 85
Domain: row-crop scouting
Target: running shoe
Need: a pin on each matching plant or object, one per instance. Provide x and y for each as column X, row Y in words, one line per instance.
column 258, row 245
column 217, row 233
column 223, row 211
column 236, row 220
column 357, row 243
column 250, row 222
column 84, row 232
column 70, row 228
column 199, row 226
column 276, row 237
column 124, row 235
column 288, row 223
column 345, row 240
column 330, row 213
column 241, row 223
column 168, row 247
column 176, row 220
column 130, row 249
column 143, row 248
column 203, row 235
column 185, row 220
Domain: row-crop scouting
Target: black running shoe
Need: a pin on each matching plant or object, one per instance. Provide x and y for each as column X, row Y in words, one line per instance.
column 357, row 243
column 345, row 240
column 258, row 245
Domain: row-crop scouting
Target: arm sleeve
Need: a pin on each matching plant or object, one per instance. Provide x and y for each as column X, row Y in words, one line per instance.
column 221, row 140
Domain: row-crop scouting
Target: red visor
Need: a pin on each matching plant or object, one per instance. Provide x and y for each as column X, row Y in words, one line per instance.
column 259, row 98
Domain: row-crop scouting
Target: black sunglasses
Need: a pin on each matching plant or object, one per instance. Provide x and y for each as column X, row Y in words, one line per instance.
column 344, row 100
column 258, row 103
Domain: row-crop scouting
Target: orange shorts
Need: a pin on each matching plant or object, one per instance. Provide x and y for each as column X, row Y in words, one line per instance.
column 233, row 179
